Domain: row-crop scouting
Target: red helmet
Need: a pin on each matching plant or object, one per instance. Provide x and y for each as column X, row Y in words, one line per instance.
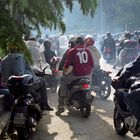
column 89, row 41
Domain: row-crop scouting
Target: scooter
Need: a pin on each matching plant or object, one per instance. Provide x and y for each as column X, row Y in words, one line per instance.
column 79, row 96
column 26, row 110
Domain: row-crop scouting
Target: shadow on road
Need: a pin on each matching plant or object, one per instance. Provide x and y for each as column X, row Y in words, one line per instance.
column 99, row 126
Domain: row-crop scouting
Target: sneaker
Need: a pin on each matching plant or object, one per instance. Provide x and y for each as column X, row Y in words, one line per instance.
column 60, row 110
column 32, row 122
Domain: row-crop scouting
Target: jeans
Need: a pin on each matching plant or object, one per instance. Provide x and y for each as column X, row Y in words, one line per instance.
column 64, row 82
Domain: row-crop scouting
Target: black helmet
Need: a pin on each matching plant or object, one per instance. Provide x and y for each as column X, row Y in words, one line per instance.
column 108, row 34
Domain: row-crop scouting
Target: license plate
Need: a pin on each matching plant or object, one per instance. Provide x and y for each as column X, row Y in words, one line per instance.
column 19, row 119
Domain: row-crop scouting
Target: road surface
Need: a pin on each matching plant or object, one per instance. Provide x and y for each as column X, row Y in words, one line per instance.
column 71, row 126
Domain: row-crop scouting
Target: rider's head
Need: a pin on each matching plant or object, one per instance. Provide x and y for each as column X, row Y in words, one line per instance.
column 89, row 41
column 128, row 35
column 108, row 34
column 72, row 42
column 47, row 44
column 80, row 41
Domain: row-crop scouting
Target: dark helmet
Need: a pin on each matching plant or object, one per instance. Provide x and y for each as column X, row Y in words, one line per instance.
column 80, row 40
column 47, row 44
column 108, row 34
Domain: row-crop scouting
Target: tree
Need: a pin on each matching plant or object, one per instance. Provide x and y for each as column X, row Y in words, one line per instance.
column 119, row 13
column 19, row 17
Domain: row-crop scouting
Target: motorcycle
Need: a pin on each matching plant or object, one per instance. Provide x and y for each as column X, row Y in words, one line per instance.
column 107, row 54
column 26, row 111
column 124, row 118
column 79, row 96
column 101, row 83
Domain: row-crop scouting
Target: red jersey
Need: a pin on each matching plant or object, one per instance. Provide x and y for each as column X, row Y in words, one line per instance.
column 81, row 60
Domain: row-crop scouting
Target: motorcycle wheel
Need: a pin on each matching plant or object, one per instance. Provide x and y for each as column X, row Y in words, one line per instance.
column 85, row 110
column 23, row 133
column 119, row 124
column 105, row 91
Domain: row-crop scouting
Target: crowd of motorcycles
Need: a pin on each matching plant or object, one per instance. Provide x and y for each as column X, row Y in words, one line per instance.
column 26, row 108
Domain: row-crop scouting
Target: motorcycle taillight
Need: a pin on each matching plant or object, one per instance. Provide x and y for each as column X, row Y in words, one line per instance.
column 85, row 86
column 20, row 109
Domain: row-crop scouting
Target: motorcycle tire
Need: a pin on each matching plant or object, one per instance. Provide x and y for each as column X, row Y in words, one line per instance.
column 85, row 110
column 105, row 91
column 23, row 133
column 119, row 124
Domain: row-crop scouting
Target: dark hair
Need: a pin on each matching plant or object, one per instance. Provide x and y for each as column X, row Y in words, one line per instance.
column 80, row 40
column 47, row 44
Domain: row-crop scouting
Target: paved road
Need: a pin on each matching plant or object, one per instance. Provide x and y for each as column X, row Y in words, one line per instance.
column 71, row 126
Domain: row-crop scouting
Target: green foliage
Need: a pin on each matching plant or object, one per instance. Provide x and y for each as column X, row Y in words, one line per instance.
column 19, row 17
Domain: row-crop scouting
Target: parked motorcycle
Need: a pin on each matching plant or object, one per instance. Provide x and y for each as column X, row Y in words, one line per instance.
column 124, row 119
column 79, row 96
column 101, row 83
column 26, row 111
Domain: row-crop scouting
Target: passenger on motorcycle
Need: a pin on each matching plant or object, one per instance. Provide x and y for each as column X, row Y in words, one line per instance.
column 89, row 44
column 72, row 43
column 80, row 60
column 15, row 64
column 131, row 69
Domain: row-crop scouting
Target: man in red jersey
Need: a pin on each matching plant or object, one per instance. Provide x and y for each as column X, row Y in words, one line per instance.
column 80, row 60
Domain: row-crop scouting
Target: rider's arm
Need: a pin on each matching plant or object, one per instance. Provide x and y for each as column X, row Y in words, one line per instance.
column 68, row 61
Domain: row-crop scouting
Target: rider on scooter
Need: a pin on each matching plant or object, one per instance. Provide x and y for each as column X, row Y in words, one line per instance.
column 109, row 42
column 80, row 60
column 72, row 43
column 89, row 44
